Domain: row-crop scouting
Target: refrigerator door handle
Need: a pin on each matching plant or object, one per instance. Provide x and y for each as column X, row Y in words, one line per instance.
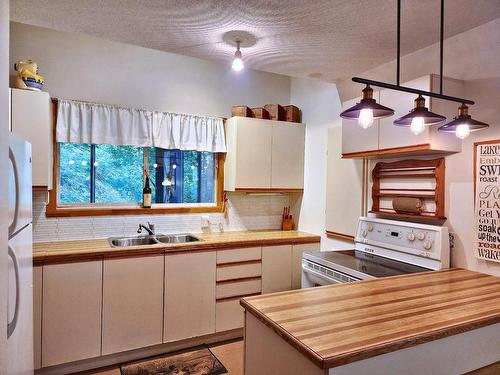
column 11, row 326
column 12, row 226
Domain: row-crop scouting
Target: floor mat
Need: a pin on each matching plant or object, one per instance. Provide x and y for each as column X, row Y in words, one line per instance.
column 194, row 361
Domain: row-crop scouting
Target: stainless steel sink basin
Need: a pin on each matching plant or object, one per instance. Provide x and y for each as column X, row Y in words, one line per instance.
column 132, row 241
column 177, row 238
column 152, row 240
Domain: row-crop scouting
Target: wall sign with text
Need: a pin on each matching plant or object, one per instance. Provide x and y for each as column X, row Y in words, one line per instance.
column 487, row 199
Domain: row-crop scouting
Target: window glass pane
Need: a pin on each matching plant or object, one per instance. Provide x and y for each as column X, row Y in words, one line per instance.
column 191, row 176
column 74, row 172
column 183, row 176
column 118, row 174
column 207, row 177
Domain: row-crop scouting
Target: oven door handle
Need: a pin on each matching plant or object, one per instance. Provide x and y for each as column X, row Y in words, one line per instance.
column 319, row 274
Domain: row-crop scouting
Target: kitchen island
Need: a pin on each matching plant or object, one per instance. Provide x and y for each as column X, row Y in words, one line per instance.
column 441, row 322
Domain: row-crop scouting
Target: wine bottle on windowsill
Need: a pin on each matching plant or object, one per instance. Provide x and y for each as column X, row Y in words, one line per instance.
column 146, row 194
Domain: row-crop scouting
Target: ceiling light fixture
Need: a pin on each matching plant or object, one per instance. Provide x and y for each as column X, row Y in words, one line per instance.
column 238, row 62
column 367, row 110
column 463, row 124
column 419, row 117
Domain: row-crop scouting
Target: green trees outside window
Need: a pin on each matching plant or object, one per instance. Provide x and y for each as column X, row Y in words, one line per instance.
column 115, row 174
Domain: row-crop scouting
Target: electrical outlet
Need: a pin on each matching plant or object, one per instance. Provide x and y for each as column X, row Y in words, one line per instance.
column 205, row 221
column 452, row 240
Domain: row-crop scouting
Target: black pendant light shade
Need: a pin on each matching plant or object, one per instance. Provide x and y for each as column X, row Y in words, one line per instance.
column 367, row 102
column 463, row 124
column 420, row 111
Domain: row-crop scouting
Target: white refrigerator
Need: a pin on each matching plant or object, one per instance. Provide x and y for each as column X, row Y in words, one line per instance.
column 20, row 267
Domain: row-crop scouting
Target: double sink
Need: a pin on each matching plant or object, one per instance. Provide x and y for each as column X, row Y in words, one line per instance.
column 154, row 239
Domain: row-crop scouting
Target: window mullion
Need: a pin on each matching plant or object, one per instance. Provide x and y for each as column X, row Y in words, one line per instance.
column 92, row 173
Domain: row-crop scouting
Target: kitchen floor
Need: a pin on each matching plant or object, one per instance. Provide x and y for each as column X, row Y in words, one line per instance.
column 229, row 353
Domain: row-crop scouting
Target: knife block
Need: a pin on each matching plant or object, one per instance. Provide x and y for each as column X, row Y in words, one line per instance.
column 287, row 224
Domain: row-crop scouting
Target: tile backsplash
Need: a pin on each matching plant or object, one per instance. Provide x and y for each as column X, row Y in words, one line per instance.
column 246, row 212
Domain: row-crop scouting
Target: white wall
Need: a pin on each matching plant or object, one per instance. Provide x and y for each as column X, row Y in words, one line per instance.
column 78, row 66
column 320, row 106
column 4, row 120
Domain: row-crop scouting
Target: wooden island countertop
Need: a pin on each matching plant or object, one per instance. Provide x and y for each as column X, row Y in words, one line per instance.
column 340, row 324
column 83, row 250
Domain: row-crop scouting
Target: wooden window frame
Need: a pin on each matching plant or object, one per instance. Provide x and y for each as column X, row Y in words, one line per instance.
column 54, row 210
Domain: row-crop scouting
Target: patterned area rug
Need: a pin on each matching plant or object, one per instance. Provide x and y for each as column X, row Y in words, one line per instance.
column 194, row 361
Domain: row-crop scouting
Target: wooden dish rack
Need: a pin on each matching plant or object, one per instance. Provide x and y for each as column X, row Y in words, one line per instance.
column 423, row 179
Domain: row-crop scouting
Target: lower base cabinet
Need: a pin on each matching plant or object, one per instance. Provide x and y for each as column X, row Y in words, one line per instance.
column 71, row 325
column 230, row 315
column 88, row 309
column 132, row 313
column 276, row 268
column 189, row 295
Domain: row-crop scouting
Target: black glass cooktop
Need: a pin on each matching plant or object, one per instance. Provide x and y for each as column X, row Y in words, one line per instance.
column 369, row 264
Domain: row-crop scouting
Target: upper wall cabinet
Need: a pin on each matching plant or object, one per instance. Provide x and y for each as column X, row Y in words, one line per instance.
column 264, row 155
column 30, row 118
column 386, row 139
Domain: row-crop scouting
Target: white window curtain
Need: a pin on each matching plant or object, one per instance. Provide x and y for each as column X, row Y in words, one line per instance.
column 188, row 132
column 84, row 122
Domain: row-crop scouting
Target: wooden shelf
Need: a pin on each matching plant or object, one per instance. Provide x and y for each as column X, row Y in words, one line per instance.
column 409, row 216
column 423, row 196
column 415, row 169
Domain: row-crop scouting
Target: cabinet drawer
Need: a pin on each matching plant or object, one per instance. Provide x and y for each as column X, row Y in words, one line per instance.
column 239, row 271
column 229, row 315
column 238, row 288
column 238, row 255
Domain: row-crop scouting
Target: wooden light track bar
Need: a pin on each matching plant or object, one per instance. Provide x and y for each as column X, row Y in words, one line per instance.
column 406, row 169
column 350, row 322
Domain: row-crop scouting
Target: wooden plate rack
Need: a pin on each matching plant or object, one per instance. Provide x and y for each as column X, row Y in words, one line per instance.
column 423, row 179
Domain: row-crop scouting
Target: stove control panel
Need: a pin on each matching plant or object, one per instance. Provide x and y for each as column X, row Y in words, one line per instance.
column 420, row 240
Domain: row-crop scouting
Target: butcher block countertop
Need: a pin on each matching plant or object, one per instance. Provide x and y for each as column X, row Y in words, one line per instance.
column 80, row 250
column 339, row 324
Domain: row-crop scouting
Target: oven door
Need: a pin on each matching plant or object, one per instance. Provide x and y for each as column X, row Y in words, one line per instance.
column 314, row 274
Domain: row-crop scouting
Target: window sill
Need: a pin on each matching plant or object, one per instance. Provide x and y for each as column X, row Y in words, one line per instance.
column 61, row 211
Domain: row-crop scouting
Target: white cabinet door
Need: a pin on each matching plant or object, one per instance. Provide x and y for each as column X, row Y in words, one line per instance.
column 392, row 136
column 31, row 120
column 230, row 314
column 297, row 251
column 344, row 188
column 288, row 143
column 276, row 268
column 248, row 161
column 354, row 137
column 132, row 314
column 189, row 295
column 71, row 326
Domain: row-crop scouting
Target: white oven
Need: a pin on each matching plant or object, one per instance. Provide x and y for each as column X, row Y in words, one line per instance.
column 382, row 248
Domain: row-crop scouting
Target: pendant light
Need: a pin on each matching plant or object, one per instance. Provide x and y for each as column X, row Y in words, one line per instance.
column 367, row 110
column 419, row 117
column 238, row 62
column 463, row 124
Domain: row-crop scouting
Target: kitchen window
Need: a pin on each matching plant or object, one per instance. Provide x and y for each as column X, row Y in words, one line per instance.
column 105, row 179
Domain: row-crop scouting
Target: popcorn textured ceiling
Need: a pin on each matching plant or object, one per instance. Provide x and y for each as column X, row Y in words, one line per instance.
column 330, row 40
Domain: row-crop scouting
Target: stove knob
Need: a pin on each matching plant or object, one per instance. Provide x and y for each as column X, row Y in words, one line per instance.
column 364, row 233
column 411, row 237
column 421, row 236
column 427, row 245
column 369, row 227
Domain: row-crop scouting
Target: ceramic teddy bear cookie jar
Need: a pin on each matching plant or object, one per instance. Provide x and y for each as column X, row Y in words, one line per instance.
column 27, row 75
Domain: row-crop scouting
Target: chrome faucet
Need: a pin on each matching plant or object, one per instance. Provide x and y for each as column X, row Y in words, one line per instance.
column 150, row 228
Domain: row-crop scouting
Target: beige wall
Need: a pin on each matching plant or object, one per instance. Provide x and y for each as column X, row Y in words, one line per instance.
column 4, row 119
column 78, row 66
column 474, row 57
